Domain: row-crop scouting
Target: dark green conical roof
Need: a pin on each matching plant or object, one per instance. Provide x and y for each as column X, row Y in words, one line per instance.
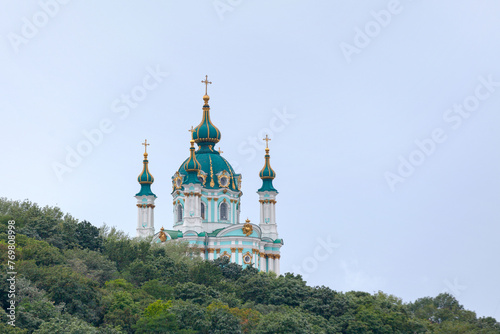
column 145, row 179
column 206, row 132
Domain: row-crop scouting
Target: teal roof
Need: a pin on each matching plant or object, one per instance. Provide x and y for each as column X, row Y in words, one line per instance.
column 215, row 232
column 174, row 234
column 206, row 132
column 267, row 185
column 267, row 174
column 212, row 163
column 145, row 179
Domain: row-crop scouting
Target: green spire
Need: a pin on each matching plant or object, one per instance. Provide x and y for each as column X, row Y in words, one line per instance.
column 206, row 132
column 192, row 166
column 145, row 178
column 267, row 174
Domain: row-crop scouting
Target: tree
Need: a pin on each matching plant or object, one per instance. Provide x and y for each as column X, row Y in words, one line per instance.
column 87, row 236
column 221, row 320
column 285, row 321
column 157, row 318
column 64, row 325
column 91, row 264
column 77, row 292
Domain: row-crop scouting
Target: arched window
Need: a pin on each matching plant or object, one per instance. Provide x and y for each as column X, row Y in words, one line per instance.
column 224, row 211
column 202, row 210
column 179, row 213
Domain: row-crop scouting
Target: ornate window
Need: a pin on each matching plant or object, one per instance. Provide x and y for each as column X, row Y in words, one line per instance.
column 202, row 210
column 179, row 213
column 226, row 255
column 247, row 258
column 224, row 211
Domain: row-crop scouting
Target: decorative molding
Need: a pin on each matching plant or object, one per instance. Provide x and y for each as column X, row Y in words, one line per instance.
column 247, row 228
column 146, row 206
column 245, row 260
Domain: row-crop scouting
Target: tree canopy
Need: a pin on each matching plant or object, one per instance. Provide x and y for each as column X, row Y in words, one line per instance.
column 76, row 278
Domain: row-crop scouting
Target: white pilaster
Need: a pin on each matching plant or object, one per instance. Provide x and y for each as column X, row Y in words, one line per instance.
column 270, row 262
column 233, row 255
column 240, row 256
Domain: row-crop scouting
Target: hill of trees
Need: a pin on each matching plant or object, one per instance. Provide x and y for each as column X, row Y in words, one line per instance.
column 76, row 278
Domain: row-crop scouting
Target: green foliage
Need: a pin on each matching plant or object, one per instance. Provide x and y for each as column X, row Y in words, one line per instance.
column 289, row 321
column 196, row 293
column 158, row 289
column 91, row 264
column 123, row 303
column 87, row 236
column 64, row 325
column 76, row 278
column 190, row 316
column 79, row 293
column 222, row 321
column 157, row 318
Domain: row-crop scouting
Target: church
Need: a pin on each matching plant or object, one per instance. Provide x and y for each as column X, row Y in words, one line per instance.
column 206, row 194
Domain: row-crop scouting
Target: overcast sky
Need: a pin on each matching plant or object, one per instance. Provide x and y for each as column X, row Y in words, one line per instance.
column 384, row 119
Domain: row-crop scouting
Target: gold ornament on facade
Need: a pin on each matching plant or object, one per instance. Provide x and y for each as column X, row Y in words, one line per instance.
column 162, row 235
column 247, row 228
column 212, row 183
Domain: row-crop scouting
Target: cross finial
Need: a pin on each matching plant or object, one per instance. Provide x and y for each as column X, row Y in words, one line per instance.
column 191, row 130
column 267, row 139
column 220, row 151
column 206, row 82
column 145, row 146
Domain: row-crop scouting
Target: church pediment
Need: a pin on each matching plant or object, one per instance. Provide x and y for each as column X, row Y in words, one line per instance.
column 241, row 230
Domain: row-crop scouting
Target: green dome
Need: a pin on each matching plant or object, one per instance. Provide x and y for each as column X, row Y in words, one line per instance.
column 206, row 132
column 214, row 169
column 145, row 179
column 267, row 174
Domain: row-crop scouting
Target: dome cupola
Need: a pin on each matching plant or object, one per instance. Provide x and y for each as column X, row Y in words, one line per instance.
column 206, row 132
column 267, row 174
column 145, row 178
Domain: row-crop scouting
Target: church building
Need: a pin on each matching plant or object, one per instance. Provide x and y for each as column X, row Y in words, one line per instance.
column 206, row 194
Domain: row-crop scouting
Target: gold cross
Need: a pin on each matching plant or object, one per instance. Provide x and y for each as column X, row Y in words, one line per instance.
column 191, row 130
column 145, row 146
column 220, row 152
column 206, row 82
column 267, row 139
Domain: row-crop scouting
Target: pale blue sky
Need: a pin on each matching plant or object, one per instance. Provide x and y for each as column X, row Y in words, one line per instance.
column 357, row 102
